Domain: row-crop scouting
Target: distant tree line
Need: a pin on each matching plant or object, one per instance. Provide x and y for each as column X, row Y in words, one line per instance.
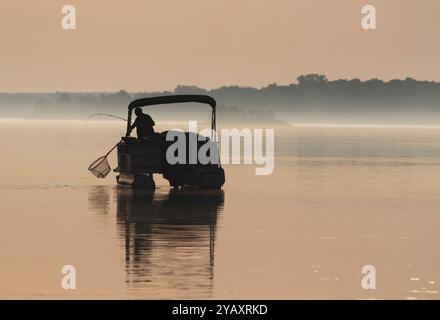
column 310, row 98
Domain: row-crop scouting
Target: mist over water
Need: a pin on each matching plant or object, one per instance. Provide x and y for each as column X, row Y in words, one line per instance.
column 312, row 98
column 340, row 197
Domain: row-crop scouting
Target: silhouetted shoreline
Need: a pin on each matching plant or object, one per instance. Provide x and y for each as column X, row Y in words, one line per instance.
column 312, row 98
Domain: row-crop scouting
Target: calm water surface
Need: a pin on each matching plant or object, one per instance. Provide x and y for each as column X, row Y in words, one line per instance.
column 339, row 198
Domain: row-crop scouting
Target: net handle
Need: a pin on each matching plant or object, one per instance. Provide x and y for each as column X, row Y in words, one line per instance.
column 105, row 156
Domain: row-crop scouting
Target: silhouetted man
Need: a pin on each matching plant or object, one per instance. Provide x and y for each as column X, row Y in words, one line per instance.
column 144, row 124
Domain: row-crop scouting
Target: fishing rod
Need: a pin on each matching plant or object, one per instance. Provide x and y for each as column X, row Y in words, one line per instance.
column 104, row 114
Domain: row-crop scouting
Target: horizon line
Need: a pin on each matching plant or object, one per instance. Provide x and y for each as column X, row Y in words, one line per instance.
column 224, row 86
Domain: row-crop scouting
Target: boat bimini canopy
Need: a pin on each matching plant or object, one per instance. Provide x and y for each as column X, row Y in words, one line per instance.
column 144, row 102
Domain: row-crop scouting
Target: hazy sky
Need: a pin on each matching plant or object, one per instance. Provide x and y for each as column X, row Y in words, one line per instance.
column 158, row 44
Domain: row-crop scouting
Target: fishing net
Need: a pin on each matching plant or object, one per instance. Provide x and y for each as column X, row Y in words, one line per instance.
column 100, row 167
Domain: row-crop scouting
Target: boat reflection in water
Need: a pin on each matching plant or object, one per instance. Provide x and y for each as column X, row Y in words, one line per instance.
column 169, row 241
column 100, row 200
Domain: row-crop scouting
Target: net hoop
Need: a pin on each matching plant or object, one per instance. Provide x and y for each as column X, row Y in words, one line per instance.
column 100, row 168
